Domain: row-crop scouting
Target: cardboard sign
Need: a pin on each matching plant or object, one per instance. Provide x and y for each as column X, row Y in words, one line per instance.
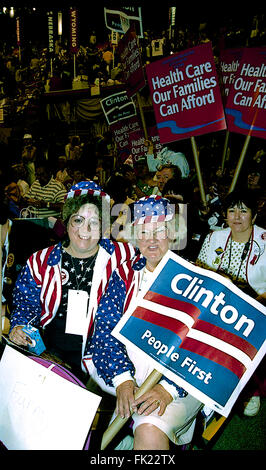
column 185, row 94
column 117, row 107
column 120, row 131
column 74, row 39
column 120, row 19
column 246, row 104
column 130, row 57
column 138, row 147
column 40, row 410
column 50, row 19
column 200, row 330
column 229, row 63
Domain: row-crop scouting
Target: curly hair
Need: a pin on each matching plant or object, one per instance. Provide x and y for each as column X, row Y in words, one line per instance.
column 73, row 205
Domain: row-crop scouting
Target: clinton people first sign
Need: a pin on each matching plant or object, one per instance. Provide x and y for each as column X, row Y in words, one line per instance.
column 198, row 329
column 185, row 94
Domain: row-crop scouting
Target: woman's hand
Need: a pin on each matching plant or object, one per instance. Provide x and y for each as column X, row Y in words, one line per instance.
column 125, row 398
column 18, row 336
column 149, row 401
column 262, row 298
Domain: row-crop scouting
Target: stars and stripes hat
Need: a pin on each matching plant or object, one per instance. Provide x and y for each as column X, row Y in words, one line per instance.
column 86, row 187
column 152, row 209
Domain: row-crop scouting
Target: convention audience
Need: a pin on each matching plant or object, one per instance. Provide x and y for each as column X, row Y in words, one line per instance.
column 46, row 195
column 28, row 157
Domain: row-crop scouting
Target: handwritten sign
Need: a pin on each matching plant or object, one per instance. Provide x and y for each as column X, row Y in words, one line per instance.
column 185, row 94
column 39, row 409
column 198, row 329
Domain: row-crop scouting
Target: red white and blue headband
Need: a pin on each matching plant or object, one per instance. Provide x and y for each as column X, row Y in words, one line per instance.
column 152, row 209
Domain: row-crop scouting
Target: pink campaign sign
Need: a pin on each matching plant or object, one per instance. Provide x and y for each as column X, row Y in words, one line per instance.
column 131, row 62
column 186, row 95
column 246, row 104
column 229, row 63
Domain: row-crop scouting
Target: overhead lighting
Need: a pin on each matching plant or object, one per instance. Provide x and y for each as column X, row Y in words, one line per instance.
column 11, row 12
column 60, row 23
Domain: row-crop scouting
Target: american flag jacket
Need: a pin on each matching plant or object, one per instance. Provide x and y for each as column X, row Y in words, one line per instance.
column 38, row 289
column 106, row 357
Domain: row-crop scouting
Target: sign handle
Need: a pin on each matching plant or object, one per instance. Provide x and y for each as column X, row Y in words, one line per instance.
column 240, row 163
column 142, row 117
column 119, row 422
column 1, row 328
column 74, row 66
column 197, row 165
column 225, row 149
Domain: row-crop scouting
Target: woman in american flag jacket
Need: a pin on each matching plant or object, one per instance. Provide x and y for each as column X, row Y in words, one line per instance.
column 166, row 412
column 59, row 288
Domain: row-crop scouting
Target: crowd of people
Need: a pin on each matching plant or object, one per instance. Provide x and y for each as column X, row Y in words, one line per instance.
column 67, row 246
column 78, row 242
column 26, row 74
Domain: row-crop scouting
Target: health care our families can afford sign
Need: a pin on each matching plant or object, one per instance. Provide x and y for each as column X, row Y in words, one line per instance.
column 130, row 57
column 186, row 95
column 246, row 103
column 229, row 63
column 198, row 329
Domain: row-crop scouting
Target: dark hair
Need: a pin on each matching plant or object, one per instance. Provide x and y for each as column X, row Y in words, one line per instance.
column 239, row 197
column 72, row 205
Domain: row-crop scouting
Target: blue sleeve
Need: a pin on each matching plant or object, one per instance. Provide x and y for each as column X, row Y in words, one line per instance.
column 26, row 300
column 108, row 354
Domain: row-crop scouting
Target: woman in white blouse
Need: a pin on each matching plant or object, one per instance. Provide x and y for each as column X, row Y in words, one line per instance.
column 239, row 252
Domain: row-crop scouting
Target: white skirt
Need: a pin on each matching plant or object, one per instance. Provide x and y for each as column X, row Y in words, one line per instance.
column 179, row 419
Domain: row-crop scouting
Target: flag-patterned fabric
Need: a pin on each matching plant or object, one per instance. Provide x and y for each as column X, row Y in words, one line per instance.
column 38, row 290
column 152, row 209
column 86, row 187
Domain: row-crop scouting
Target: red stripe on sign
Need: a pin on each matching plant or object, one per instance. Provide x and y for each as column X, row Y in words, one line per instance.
column 176, row 326
column 215, row 355
column 229, row 338
column 176, row 304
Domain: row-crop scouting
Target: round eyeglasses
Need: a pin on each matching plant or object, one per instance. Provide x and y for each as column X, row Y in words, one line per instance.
column 78, row 221
column 159, row 233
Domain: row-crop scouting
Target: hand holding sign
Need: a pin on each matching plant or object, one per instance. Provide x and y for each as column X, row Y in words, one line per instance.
column 119, row 422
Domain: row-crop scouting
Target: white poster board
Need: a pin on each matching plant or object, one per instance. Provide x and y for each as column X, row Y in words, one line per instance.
column 39, row 410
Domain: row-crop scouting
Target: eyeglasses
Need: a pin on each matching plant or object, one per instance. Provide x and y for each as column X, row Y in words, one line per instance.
column 77, row 221
column 159, row 233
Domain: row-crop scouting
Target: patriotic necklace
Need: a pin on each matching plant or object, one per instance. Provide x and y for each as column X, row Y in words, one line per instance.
column 83, row 275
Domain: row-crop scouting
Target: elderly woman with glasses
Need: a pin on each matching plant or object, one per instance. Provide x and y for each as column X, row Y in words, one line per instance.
column 60, row 286
column 166, row 412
